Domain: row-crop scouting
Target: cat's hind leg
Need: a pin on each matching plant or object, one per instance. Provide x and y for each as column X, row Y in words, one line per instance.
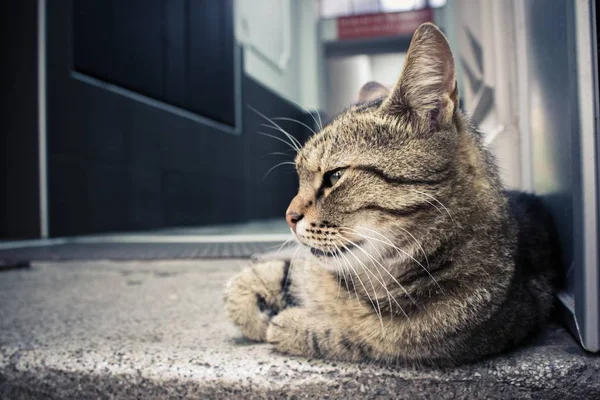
column 256, row 294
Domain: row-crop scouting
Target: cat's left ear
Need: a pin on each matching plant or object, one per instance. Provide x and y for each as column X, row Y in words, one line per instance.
column 372, row 91
column 427, row 88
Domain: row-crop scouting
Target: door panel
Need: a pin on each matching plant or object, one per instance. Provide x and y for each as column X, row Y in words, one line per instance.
column 175, row 68
column 119, row 160
column 179, row 52
column 20, row 215
column 210, row 38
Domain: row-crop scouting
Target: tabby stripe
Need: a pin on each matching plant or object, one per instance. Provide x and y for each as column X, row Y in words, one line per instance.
column 418, row 273
column 364, row 350
column 398, row 181
column 345, row 343
column 286, row 282
column 396, row 212
column 437, row 264
column 316, row 347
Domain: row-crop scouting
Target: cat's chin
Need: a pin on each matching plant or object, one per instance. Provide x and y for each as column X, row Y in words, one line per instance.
column 326, row 259
column 323, row 253
column 328, row 264
column 332, row 253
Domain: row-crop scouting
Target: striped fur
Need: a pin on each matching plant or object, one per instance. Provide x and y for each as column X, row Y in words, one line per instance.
column 420, row 256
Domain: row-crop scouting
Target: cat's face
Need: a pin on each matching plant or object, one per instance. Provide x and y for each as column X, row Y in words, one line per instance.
column 379, row 167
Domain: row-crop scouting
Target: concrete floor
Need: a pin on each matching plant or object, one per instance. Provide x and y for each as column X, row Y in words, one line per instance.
column 276, row 226
column 157, row 330
column 258, row 227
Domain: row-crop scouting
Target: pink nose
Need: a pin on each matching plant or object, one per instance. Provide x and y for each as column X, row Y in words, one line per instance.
column 292, row 219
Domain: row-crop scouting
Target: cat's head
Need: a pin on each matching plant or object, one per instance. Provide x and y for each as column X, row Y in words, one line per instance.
column 382, row 168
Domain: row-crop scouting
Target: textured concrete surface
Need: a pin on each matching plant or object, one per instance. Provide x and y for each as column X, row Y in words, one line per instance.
column 157, row 330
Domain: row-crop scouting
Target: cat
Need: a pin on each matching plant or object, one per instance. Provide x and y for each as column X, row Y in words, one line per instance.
column 419, row 255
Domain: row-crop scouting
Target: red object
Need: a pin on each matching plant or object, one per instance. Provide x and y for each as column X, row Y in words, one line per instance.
column 385, row 24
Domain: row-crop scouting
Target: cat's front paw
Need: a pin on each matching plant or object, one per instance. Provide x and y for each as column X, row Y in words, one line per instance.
column 253, row 297
column 289, row 331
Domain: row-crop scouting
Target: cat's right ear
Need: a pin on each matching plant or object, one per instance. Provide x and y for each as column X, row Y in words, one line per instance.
column 426, row 90
column 372, row 91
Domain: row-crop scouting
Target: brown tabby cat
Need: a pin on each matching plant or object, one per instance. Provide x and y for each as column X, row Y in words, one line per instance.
column 420, row 256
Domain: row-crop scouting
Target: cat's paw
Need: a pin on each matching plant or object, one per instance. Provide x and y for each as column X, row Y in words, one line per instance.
column 289, row 330
column 253, row 297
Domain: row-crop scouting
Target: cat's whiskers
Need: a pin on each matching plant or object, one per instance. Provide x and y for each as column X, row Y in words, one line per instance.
column 399, row 250
column 278, row 165
column 293, row 140
column 390, row 296
column 412, row 236
column 278, row 153
column 376, row 302
column 292, row 265
column 394, row 279
column 349, row 274
column 282, row 245
column 382, row 282
column 385, row 269
column 319, row 122
column 296, row 121
column 343, row 274
column 279, row 247
column 339, row 280
column 293, row 147
column 294, row 143
column 436, row 200
column 352, row 269
column 436, row 207
column 339, row 285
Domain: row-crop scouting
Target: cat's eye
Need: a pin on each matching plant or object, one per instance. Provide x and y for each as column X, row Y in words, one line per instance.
column 332, row 177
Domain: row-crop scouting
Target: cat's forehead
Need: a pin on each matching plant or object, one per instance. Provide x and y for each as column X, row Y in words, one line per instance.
column 348, row 135
column 332, row 139
column 310, row 156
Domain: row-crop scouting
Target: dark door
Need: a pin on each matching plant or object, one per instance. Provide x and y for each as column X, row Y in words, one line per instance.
column 146, row 127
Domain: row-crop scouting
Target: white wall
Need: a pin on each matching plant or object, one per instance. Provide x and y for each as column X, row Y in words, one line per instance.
column 311, row 57
column 346, row 75
column 386, row 68
column 491, row 24
column 281, row 46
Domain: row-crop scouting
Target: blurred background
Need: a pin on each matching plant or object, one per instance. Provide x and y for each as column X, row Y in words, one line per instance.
column 145, row 114
column 151, row 117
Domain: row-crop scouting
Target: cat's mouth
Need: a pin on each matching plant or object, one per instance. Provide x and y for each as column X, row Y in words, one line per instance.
column 333, row 252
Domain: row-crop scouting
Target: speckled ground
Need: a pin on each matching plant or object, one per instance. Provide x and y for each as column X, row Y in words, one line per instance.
column 157, row 330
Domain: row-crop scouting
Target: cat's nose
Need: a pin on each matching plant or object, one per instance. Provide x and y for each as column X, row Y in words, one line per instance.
column 292, row 219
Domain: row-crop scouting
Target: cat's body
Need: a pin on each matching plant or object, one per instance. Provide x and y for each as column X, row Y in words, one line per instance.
column 420, row 256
